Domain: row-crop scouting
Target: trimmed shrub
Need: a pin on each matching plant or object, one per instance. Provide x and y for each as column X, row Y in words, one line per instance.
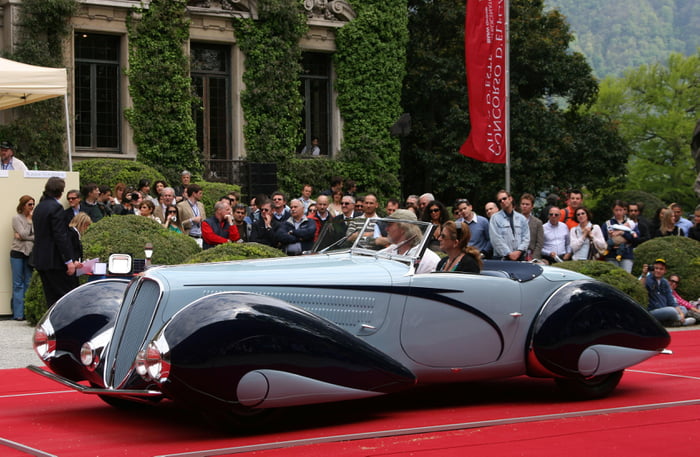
column 111, row 171
column 119, row 235
column 129, row 234
column 213, row 191
column 235, row 251
column 682, row 256
column 609, row 274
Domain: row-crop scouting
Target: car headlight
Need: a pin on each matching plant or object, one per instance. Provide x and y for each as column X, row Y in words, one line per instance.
column 45, row 340
column 91, row 351
column 153, row 363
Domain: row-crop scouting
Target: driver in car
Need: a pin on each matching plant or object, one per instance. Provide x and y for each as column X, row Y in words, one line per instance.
column 405, row 238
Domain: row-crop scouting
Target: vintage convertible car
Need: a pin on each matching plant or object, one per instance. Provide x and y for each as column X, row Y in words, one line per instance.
column 350, row 320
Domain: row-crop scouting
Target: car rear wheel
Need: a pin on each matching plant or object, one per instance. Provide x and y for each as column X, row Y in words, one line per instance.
column 590, row 388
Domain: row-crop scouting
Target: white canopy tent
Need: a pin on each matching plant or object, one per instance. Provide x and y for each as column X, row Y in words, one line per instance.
column 22, row 84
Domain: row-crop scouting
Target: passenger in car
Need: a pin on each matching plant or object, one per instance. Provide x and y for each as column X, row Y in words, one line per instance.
column 460, row 256
column 405, row 237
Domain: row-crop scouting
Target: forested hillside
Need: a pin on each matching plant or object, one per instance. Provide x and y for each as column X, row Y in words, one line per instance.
column 615, row 35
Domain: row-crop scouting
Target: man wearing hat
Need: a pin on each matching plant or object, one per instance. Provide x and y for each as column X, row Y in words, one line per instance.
column 661, row 302
column 8, row 159
column 405, row 236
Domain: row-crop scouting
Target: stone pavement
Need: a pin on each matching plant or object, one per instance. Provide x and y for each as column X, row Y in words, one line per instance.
column 16, row 344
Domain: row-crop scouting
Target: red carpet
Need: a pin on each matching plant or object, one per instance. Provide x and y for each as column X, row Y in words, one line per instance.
column 42, row 415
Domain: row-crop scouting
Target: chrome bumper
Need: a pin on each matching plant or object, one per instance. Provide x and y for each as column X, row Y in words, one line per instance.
column 94, row 390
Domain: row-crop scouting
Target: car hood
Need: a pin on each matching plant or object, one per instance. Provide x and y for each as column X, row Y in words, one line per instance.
column 302, row 270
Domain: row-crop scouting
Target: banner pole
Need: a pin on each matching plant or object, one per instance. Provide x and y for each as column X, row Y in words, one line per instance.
column 507, row 87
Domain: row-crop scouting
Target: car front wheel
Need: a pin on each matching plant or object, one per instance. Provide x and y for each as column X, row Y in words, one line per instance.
column 590, row 388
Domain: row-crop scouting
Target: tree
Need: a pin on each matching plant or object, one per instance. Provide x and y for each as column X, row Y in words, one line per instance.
column 553, row 141
column 656, row 107
column 159, row 83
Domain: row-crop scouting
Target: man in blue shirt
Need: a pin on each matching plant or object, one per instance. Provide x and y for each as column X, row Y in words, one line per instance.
column 661, row 302
column 478, row 226
column 508, row 230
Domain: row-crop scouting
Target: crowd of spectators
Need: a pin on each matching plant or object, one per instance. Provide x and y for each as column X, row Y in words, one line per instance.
column 509, row 230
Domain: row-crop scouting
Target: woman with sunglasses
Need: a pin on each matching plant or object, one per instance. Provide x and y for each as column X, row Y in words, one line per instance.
column 435, row 213
column 172, row 222
column 586, row 238
column 692, row 306
column 460, row 256
column 21, row 248
column 146, row 209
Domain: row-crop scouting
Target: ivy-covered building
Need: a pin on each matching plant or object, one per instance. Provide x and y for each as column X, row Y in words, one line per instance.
column 98, row 55
column 337, row 99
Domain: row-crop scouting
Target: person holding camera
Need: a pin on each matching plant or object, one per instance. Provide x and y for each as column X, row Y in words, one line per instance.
column 172, row 222
column 219, row 228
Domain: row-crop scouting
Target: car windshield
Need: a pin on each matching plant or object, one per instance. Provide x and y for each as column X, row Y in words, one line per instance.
column 376, row 236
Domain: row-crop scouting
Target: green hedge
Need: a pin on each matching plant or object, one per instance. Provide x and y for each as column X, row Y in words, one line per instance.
column 682, row 256
column 112, row 171
column 610, row 274
column 129, row 234
column 235, row 251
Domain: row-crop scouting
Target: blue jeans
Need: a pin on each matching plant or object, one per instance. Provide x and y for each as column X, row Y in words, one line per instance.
column 21, row 275
column 667, row 314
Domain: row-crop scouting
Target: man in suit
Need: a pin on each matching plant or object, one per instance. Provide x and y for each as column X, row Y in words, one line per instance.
column 52, row 252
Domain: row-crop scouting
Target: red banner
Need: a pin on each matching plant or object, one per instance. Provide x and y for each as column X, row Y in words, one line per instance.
column 485, row 53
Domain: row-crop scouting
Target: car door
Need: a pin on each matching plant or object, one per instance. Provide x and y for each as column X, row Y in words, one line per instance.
column 460, row 320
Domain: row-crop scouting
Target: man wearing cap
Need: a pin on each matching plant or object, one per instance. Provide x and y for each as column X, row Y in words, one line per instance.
column 405, row 237
column 661, row 302
column 8, row 159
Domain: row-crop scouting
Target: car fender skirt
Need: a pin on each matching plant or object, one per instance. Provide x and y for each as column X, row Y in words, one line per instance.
column 217, row 340
column 275, row 389
column 589, row 328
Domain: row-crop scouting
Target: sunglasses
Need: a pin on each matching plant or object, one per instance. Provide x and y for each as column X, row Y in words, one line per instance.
column 172, row 212
column 264, row 210
column 30, row 204
column 673, row 281
column 502, row 199
column 72, row 198
column 554, row 215
column 434, row 210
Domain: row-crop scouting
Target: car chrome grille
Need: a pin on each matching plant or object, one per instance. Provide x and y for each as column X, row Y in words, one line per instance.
column 131, row 329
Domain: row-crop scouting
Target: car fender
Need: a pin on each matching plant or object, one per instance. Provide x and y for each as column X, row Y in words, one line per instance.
column 589, row 328
column 79, row 316
column 214, row 342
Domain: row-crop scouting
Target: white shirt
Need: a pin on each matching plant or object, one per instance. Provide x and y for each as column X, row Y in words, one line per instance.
column 556, row 239
column 14, row 164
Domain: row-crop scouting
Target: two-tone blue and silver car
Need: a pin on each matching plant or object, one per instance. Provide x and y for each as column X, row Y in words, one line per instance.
column 348, row 321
